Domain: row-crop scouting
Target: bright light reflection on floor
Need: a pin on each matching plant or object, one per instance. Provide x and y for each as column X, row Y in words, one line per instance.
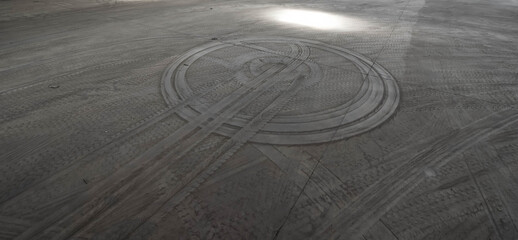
column 317, row 20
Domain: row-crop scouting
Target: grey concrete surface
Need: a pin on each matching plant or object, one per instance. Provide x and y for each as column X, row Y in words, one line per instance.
column 372, row 119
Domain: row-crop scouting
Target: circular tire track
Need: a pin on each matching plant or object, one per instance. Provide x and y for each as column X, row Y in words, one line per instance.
column 374, row 102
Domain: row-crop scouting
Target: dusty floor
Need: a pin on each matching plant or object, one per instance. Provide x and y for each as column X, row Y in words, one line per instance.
column 372, row 119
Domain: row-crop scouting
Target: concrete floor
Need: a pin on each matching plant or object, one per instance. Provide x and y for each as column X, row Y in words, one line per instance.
column 197, row 119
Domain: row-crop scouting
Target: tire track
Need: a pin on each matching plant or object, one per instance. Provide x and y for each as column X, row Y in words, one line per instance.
column 376, row 100
column 372, row 203
column 148, row 162
column 118, row 139
column 204, row 170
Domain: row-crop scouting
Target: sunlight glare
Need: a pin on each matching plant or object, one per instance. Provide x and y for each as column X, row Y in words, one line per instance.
column 317, row 20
